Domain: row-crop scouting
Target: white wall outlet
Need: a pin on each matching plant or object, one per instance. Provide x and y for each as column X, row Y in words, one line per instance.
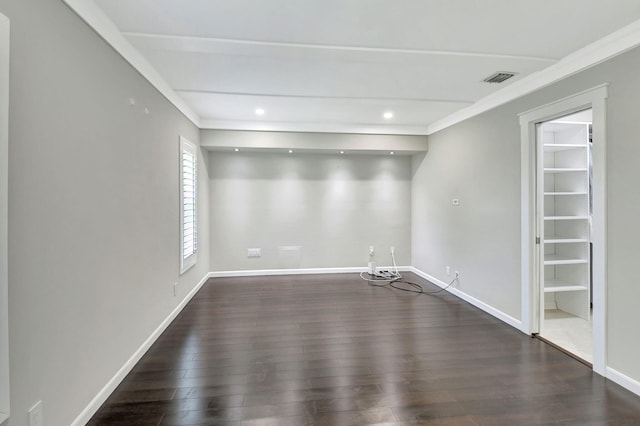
column 175, row 289
column 448, row 270
column 372, row 250
column 456, row 201
column 254, row 252
column 36, row 415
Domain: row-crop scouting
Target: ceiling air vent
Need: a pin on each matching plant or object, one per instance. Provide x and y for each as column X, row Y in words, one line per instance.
column 499, row 77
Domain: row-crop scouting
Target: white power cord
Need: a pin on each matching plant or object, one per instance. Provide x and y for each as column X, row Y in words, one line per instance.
column 387, row 276
column 394, row 276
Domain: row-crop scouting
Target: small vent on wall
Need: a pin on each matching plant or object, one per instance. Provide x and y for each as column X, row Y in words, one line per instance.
column 499, row 77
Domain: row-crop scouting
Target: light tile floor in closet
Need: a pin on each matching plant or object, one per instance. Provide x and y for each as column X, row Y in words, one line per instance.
column 572, row 333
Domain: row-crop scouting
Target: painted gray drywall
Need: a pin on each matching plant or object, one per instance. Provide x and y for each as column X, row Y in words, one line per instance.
column 329, row 143
column 478, row 160
column 4, row 217
column 93, row 211
column 478, row 237
column 331, row 206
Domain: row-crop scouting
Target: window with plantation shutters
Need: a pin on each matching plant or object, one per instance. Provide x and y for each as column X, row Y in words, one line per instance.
column 188, row 204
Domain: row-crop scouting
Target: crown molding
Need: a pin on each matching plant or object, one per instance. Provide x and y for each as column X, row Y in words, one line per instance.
column 90, row 13
column 595, row 53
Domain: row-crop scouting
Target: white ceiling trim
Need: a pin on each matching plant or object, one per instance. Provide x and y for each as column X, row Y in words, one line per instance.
column 273, row 126
column 614, row 44
column 593, row 54
column 210, row 45
column 276, row 95
column 96, row 19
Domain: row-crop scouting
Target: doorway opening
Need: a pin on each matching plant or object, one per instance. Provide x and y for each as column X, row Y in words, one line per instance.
column 563, row 153
column 564, row 211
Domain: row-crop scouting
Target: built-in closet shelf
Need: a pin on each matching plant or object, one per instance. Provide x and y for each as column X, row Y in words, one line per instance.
column 564, row 170
column 558, row 259
column 564, row 193
column 561, row 240
column 557, row 286
column 562, row 147
column 563, row 200
column 566, row 217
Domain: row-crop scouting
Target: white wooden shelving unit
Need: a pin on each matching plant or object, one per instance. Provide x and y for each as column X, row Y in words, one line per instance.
column 565, row 226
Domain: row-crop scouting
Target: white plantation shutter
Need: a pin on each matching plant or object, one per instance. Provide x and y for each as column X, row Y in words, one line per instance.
column 188, row 204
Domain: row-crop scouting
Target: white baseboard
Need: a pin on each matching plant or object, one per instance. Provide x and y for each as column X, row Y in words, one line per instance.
column 302, row 271
column 86, row 414
column 623, row 380
column 472, row 300
column 611, row 374
column 106, row 391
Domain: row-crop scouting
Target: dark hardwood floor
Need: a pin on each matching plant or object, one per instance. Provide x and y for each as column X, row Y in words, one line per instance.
column 330, row 350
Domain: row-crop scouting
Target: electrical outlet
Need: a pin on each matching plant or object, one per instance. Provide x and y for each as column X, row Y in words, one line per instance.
column 175, row 289
column 372, row 250
column 393, row 250
column 36, row 415
column 448, row 271
column 254, row 252
column 455, row 201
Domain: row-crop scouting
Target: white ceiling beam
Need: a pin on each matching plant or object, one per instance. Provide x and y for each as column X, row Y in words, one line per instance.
column 212, row 45
column 357, row 98
column 371, row 129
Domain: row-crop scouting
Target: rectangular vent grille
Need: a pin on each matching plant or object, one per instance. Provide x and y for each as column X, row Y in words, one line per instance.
column 499, row 77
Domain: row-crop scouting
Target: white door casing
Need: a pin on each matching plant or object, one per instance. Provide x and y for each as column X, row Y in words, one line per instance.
column 595, row 99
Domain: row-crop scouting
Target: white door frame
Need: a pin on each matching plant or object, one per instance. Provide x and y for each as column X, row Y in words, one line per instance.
column 4, row 214
column 595, row 99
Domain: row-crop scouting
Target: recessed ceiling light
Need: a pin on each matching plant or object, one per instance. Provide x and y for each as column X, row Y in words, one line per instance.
column 388, row 115
column 341, row 152
column 392, row 153
column 259, row 111
column 290, row 151
column 237, row 149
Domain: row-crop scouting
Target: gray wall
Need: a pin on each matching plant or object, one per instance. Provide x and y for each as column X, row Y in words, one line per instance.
column 332, row 206
column 93, row 208
column 93, row 211
column 474, row 163
column 328, row 143
column 479, row 161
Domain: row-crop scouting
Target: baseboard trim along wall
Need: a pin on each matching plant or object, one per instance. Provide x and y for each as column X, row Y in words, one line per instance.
column 623, row 380
column 472, row 300
column 86, row 414
column 106, row 391
column 303, row 271
column 611, row 374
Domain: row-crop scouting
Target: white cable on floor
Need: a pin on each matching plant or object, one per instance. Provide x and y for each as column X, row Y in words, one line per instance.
column 394, row 276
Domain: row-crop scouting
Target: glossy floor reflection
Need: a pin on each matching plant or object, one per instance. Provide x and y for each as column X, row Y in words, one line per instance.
column 330, row 350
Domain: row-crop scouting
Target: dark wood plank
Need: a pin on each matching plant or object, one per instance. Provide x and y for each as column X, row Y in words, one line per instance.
column 331, row 350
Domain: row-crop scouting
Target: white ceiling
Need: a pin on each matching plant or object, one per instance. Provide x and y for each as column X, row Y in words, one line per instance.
column 337, row 65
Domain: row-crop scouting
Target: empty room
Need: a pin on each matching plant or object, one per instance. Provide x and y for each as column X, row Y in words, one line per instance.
column 319, row 213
